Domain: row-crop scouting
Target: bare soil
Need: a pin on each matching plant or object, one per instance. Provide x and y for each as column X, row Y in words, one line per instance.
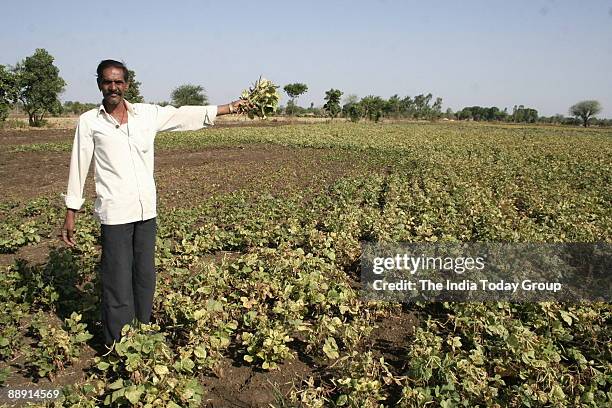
column 20, row 136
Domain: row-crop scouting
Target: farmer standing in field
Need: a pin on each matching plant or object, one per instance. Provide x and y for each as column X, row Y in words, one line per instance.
column 119, row 136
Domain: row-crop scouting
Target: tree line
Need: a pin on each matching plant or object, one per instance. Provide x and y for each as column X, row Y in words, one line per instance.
column 34, row 85
column 582, row 114
column 421, row 107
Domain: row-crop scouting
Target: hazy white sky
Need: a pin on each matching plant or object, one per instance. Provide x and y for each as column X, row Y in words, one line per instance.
column 543, row 54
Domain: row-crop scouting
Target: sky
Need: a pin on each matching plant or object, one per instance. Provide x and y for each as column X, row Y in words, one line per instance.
column 543, row 54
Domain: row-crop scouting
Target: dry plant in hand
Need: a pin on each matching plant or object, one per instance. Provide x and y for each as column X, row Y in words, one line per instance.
column 262, row 99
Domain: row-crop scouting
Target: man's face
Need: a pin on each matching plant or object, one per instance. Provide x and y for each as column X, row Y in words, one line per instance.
column 113, row 86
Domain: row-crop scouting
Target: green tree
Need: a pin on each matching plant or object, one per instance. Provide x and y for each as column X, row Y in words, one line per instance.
column 294, row 91
column 407, row 107
column 133, row 93
column 353, row 110
column 372, row 107
column 465, row 114
column 523, row 114
column 585, row 110
column 392, row 107
column 480, row 113
column 188, row 95
column 332, row 106
column 39, row 86
column 422, row 109
column 436, row 109
column 8, row 91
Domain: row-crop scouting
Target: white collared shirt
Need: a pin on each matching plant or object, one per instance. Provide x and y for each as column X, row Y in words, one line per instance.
column 123, row 157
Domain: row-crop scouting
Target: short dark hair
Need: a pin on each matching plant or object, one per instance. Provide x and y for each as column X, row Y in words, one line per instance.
column 114, row 64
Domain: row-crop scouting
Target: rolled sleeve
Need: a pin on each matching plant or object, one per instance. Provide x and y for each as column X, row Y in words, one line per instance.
column 169, row 118
column 74, row 203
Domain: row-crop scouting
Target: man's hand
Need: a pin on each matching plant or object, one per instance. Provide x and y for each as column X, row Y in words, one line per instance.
column 238, row 106
column 68, row 229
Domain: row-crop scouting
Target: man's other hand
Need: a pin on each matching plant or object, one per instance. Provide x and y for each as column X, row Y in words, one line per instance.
column 68, row 228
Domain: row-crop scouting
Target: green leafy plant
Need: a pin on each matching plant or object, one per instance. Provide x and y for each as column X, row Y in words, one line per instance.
column 13, row 312
column 56, row 347
column 262, row 99
column 13, row 237
column 143, row 371
column 268, row 345
column 11, row 336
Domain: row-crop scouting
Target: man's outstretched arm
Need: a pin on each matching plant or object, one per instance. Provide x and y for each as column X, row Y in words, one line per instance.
column 169, row 118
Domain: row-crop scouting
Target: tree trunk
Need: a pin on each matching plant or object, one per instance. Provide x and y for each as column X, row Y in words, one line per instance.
column 35, row 119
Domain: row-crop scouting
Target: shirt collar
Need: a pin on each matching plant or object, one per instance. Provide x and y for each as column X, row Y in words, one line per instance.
column 130, row 108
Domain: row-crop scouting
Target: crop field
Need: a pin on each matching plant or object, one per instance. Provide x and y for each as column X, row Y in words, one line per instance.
column 258, row 300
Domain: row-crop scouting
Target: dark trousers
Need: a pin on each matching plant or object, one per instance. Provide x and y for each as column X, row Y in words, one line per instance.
column 127, row 272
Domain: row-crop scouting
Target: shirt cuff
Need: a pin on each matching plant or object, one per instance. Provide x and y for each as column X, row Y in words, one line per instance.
column 73, row 202
column 210, row 114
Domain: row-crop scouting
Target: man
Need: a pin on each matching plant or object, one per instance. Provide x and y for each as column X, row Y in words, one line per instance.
column 119, row 136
